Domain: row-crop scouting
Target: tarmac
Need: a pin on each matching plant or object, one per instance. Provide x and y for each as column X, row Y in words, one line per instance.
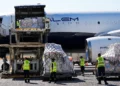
column 88, row 80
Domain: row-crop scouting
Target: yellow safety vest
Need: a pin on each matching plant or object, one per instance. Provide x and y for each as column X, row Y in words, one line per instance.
column 26, row 65
column 54, row 69
column 18, row 24
column 100, row 62
column 82, row 62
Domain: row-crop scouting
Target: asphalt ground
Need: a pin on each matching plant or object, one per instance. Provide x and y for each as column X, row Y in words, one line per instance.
column 88, row 80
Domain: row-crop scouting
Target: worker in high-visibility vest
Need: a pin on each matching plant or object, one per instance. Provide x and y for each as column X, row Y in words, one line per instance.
column 100, row 66
column 18, row 24
column 26, row 68
column 53, row 70
column 82, row 64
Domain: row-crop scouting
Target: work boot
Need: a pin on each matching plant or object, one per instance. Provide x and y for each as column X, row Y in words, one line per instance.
column 25, row 81
column 55, row 81
column 28, row 80
column 106, row 83
column 83, row 74
column 99, row 82
column 50, row 80
column 105, row 80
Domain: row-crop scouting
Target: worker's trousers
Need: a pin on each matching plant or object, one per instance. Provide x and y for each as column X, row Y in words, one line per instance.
column 82, row 69
column 26, row 76
column 101, row 74
column 53, row 76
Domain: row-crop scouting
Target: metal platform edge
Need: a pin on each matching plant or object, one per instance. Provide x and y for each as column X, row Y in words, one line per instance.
column 22, row 45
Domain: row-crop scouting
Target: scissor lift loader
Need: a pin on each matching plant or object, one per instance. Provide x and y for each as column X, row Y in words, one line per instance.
column 29, row 40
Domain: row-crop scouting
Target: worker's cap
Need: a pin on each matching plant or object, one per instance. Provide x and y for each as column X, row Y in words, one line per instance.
column 53, row 58
column 99, row 54
column 26, row 57
column 81, row 57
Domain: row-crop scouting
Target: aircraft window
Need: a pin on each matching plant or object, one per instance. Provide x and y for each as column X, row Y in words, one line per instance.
column 98, row 22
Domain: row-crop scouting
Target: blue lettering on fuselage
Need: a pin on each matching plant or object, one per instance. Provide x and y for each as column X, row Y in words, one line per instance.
column 64, row 19
column 70, row 20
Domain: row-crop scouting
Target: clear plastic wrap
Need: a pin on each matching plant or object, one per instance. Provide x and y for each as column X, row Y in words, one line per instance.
column 32, row 23
column 52, row 50
column 112, row 55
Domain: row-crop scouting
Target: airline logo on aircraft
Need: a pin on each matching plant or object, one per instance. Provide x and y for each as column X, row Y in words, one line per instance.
column 69, row 20
column 64, row 19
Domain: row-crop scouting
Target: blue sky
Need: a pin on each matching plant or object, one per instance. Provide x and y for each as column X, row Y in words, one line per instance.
column 7, row 6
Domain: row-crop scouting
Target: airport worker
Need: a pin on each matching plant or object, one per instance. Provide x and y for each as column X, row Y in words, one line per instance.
column 26, row 68
column 100, row 66
column 53, row 70
column 5, row 66
column 18, row 24
column 82, row 64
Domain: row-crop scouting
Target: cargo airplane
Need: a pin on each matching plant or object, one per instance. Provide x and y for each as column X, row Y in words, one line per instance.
column 70, row 29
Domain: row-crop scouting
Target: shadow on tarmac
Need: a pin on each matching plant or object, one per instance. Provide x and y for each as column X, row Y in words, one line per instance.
column 32, row 83
column 113, row 79
column 22, row 79
column 64, row 81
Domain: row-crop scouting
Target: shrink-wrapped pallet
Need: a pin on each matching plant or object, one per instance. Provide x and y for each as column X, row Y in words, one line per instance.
column 52, row 50
column 112, row 55
column 32, row 23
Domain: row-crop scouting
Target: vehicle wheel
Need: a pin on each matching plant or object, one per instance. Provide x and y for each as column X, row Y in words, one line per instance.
column 118, row 77
column 44, row 79
column 69, row 78
column 7, row 66
column 92, row 63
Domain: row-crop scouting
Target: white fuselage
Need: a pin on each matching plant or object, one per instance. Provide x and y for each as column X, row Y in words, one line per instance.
column 73, row 26
column 77, row 22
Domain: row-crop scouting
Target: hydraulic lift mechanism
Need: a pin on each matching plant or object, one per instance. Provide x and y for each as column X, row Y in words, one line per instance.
column 31, row 31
